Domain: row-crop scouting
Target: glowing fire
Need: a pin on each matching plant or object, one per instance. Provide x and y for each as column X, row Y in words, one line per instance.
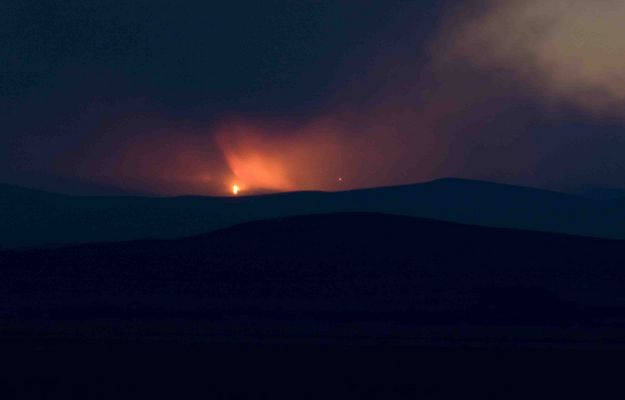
column 276, row 158
column 235, row 189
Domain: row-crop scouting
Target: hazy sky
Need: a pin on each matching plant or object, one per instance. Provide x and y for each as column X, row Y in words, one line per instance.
column 194, row 96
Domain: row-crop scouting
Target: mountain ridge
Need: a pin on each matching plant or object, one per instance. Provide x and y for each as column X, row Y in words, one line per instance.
column 33, row 218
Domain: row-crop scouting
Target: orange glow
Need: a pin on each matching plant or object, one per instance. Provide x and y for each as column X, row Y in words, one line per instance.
column 268, row 155
column 260, row 156
column 265, row 158
column 322, row 154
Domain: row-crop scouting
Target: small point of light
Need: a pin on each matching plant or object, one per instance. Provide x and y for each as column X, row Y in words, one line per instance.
column 340, row 179
column 235, row 189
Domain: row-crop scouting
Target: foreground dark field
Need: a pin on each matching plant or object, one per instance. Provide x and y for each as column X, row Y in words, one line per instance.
column 345, row 277
column 328, row 306
column 105, row 369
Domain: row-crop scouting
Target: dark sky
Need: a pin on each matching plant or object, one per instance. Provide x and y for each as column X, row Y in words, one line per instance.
column 190, row 96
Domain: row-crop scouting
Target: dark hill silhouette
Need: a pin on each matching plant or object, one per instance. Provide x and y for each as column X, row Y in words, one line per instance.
column 33, row 218
column 352, row 276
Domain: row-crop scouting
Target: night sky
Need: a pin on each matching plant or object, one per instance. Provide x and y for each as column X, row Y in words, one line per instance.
column 191, row 97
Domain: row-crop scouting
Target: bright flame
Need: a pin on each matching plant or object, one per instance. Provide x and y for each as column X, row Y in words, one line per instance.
column 235, row 189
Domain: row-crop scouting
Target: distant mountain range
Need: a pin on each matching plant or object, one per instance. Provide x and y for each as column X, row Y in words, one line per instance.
column 351, row 276
column 30, row 218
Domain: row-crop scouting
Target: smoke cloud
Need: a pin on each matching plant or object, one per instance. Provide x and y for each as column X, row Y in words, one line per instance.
column 462, row 104
column 564, row 51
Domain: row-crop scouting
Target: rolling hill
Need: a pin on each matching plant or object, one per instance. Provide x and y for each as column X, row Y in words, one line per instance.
column 30, row 218
column 352, row 276
column 319, row 306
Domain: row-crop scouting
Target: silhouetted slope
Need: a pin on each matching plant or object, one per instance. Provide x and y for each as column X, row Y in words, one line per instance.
column 299, row 275
column 31, row 218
